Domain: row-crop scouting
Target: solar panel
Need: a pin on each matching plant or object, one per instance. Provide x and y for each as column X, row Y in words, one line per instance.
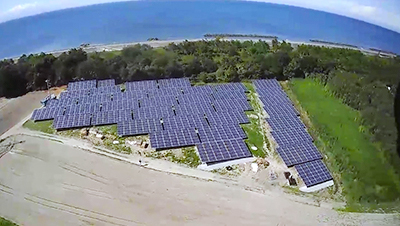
column 223, row 150
column 43, row 114
column 227, row 117
column 240, row 104
column 294, row 143
column 230, row 86
column 204, row 89
column 138, row 127
column 52, row 103
column 313, row 173
column 291, row 136
column 82, row 85
column 72, row 121
column 171, row 111
column 105, row 118
column 141, row 85
column 298, row 153
column 106, row 82
column 173, row 138
column 221, row 132
column 266, row 83
column 173, row 82
column 276, row 100
column 281, row 110
column 285, row 122
column 184, row 121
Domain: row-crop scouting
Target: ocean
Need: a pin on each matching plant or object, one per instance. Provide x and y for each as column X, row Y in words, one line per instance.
column 168, row 20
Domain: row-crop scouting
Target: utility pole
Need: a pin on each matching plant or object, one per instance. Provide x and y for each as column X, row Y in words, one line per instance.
column 48, row 87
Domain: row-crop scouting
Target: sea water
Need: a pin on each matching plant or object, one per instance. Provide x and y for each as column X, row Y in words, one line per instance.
column 140, row 20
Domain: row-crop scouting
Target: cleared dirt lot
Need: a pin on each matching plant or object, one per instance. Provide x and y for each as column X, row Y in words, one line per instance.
column 44, row 182
column 14, row 110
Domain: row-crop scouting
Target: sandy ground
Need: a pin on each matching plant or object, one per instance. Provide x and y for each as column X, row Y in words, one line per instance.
column 14, row 110
column 47, row 183
column 52, row 180
column 120, row 46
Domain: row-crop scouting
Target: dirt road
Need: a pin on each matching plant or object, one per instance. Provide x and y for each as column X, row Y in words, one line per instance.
column 44, row 182
column 14, row 110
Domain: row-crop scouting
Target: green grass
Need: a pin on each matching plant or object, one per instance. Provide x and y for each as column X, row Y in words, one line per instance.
column 249, row 86
column 367, row 180
column 110, row 129
column 188, row 157
column 4, row 222
column 121, row 147
column 255, row 136
column 253, row 129
column 42, row 126
column 109, row 54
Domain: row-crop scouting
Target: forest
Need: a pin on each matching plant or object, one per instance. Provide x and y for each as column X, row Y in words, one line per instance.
column 365, row 83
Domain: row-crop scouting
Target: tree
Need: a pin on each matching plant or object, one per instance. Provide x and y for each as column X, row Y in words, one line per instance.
column 93, row 68
column 66, row 65
column 12, row 83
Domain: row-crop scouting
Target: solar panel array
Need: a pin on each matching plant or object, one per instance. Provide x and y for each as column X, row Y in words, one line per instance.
column 295, row 145
column 223, row 149
column 314, row 172
column 171, row 111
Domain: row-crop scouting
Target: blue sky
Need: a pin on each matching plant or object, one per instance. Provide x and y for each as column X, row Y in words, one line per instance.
column 385, row 13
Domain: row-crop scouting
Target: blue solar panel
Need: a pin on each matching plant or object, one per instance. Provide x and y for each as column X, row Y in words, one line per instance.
column 173, row 83
column 140, row 85
column 228, row 95
column 230, row 86
column 138, row 127
column 281, row 110
column 44, row 114
column 240, row 104
column 204, row 90
column 171, row 111
column 291, row 136
column 285, row 122
column 277, row 100
column 72, row 121
column 52, row 103
column 106, row 90
column 173, row 138
column 105, row 118
column 184, row 121
column 299, row 153
column 313, row 173
column 106, row 82
column 221, row 132
column 82, row 85
column 222, row 150
column 266, row 84
column 294, row 143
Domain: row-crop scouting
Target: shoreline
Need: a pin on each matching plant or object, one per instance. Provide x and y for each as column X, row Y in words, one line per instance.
column 162, row 43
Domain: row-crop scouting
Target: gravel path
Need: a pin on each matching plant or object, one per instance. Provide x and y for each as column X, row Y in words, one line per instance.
column 14, row 110
column 45, row 182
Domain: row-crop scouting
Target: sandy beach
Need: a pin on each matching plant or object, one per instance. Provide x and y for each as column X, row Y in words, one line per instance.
column 161, row 43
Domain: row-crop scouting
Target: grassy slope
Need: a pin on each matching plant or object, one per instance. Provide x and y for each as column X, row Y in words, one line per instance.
column 4, row 222
column 42, row 126
column 108, row 55
column 365, row 175
column 253, row 129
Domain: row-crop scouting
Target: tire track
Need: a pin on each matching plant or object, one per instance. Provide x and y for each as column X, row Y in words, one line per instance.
column 72, row 212
column 83, row 175
column 81, row 209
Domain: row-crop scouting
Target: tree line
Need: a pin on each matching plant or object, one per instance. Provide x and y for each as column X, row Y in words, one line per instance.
column 365, row 83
